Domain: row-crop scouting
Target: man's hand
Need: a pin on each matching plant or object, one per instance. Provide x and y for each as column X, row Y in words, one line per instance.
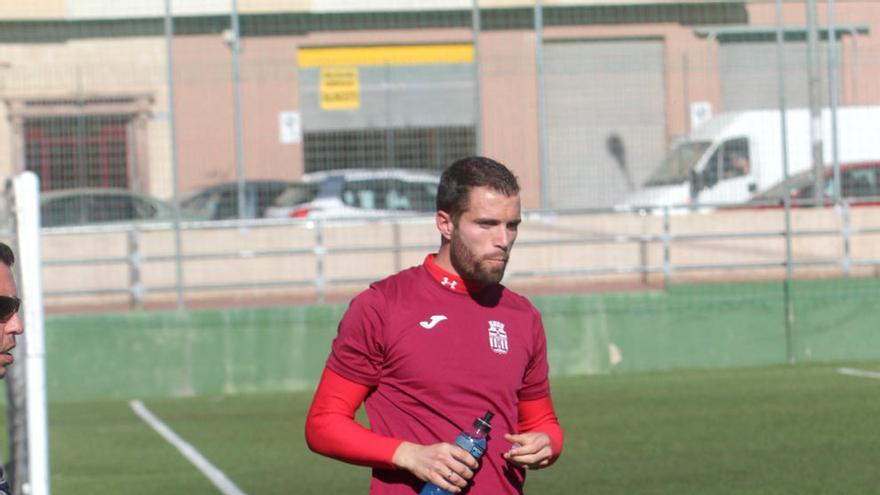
column 530, row 450
column 444, row 464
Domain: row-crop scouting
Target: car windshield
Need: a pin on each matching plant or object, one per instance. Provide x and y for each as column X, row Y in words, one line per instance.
column 196, row 203
column 296, row 194
column 390, row 194
column 675, row 167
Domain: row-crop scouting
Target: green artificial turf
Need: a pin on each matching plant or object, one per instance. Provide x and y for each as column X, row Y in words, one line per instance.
column 770, row 430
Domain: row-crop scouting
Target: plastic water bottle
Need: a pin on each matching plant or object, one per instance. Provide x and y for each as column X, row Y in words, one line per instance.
column 474, row 442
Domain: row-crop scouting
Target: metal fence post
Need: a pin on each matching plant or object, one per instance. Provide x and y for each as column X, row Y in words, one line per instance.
column 235, row 46
column 172, row 131
column 136, row 287
column 644, row 239
column 788, row 299
column 320, row 251
column 833, row 97
column 815, row 94
column 475, row 35
column 395, row 233
column 542, row 118
column 845, row 234
column 667, row 249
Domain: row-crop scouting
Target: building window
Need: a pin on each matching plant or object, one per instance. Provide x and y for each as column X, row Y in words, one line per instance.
column 83, row 141
column 78, row 151
column 377, row 148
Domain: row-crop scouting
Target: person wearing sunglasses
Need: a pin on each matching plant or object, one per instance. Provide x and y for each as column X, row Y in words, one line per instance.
column 10, row 321
column 10, row 324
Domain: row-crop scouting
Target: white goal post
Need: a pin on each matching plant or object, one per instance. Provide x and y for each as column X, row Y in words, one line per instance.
column 27, row 418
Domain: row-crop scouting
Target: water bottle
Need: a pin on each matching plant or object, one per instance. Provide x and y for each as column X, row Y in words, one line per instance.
column 474, row 442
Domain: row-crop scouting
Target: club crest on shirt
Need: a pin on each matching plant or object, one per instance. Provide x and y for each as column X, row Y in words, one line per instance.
column 497, row 337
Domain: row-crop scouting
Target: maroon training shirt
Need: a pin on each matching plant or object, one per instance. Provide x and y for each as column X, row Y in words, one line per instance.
column 438, row 358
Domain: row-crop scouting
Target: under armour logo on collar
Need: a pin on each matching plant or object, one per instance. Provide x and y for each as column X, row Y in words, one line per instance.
column 450, row 283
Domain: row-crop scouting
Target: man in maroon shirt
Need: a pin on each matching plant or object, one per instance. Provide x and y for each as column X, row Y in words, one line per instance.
column 435, row 346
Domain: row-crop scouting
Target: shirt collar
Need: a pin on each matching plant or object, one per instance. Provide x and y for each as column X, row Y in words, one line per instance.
column 450, row 280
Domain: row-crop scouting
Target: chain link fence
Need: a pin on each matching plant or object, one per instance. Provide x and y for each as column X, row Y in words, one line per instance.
column 155, row 126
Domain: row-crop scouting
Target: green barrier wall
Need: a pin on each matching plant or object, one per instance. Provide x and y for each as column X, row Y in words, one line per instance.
column 143, row 354
column 146, row 354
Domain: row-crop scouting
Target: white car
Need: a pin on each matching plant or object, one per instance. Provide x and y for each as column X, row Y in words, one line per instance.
column 352, row 193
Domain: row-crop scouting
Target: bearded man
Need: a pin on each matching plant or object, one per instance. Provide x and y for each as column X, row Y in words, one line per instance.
column 429, row 349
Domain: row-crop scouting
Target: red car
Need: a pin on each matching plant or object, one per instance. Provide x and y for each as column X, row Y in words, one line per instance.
column 860, row 185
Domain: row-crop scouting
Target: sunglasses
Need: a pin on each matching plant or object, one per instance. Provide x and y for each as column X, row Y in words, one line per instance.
column 8, row 307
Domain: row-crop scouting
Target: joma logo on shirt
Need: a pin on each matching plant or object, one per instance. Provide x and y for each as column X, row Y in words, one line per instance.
column 434, row 321
column 497, row 337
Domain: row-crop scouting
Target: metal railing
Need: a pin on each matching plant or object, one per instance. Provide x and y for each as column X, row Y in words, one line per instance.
column 657, row 247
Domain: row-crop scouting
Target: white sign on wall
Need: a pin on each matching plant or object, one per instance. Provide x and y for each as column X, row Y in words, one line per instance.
column 289, row 128
column 701, row 111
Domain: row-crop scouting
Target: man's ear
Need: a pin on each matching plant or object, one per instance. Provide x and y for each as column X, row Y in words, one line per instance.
column 444, row 224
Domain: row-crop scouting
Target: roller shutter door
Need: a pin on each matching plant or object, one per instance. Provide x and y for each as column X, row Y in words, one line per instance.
column 596, row 90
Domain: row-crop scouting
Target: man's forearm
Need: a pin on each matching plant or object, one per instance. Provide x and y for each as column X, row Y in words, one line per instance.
column 539, row 415
column 332, row 431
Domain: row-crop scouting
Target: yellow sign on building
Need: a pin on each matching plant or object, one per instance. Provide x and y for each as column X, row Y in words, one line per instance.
column 385, row 55
column 340, row 88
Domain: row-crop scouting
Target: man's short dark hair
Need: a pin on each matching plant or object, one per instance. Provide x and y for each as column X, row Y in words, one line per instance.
column 6, row 255
column 474, row 171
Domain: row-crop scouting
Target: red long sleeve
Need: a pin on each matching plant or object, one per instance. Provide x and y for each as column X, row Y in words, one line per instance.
column 332, row 431
column 539, row 415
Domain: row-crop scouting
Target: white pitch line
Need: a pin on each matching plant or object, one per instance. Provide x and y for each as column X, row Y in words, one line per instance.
column 859, row 373
column 224, row 484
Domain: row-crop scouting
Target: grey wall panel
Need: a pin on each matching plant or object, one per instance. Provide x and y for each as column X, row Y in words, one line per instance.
column 431, row 95
column 596, row 89
column 749, row 77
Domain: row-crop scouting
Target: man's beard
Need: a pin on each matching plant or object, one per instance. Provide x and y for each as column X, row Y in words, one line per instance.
column 471, row 267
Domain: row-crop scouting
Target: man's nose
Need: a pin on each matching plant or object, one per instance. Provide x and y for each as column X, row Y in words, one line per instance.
column 14, row 325
column 503, row 237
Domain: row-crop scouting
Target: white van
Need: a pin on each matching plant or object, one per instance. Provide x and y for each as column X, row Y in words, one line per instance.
column 737, row 155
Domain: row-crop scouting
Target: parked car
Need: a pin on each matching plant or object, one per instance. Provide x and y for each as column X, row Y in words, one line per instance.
column 358, row 193
column 67, row 207
column 860, row 185
column 220, row 202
